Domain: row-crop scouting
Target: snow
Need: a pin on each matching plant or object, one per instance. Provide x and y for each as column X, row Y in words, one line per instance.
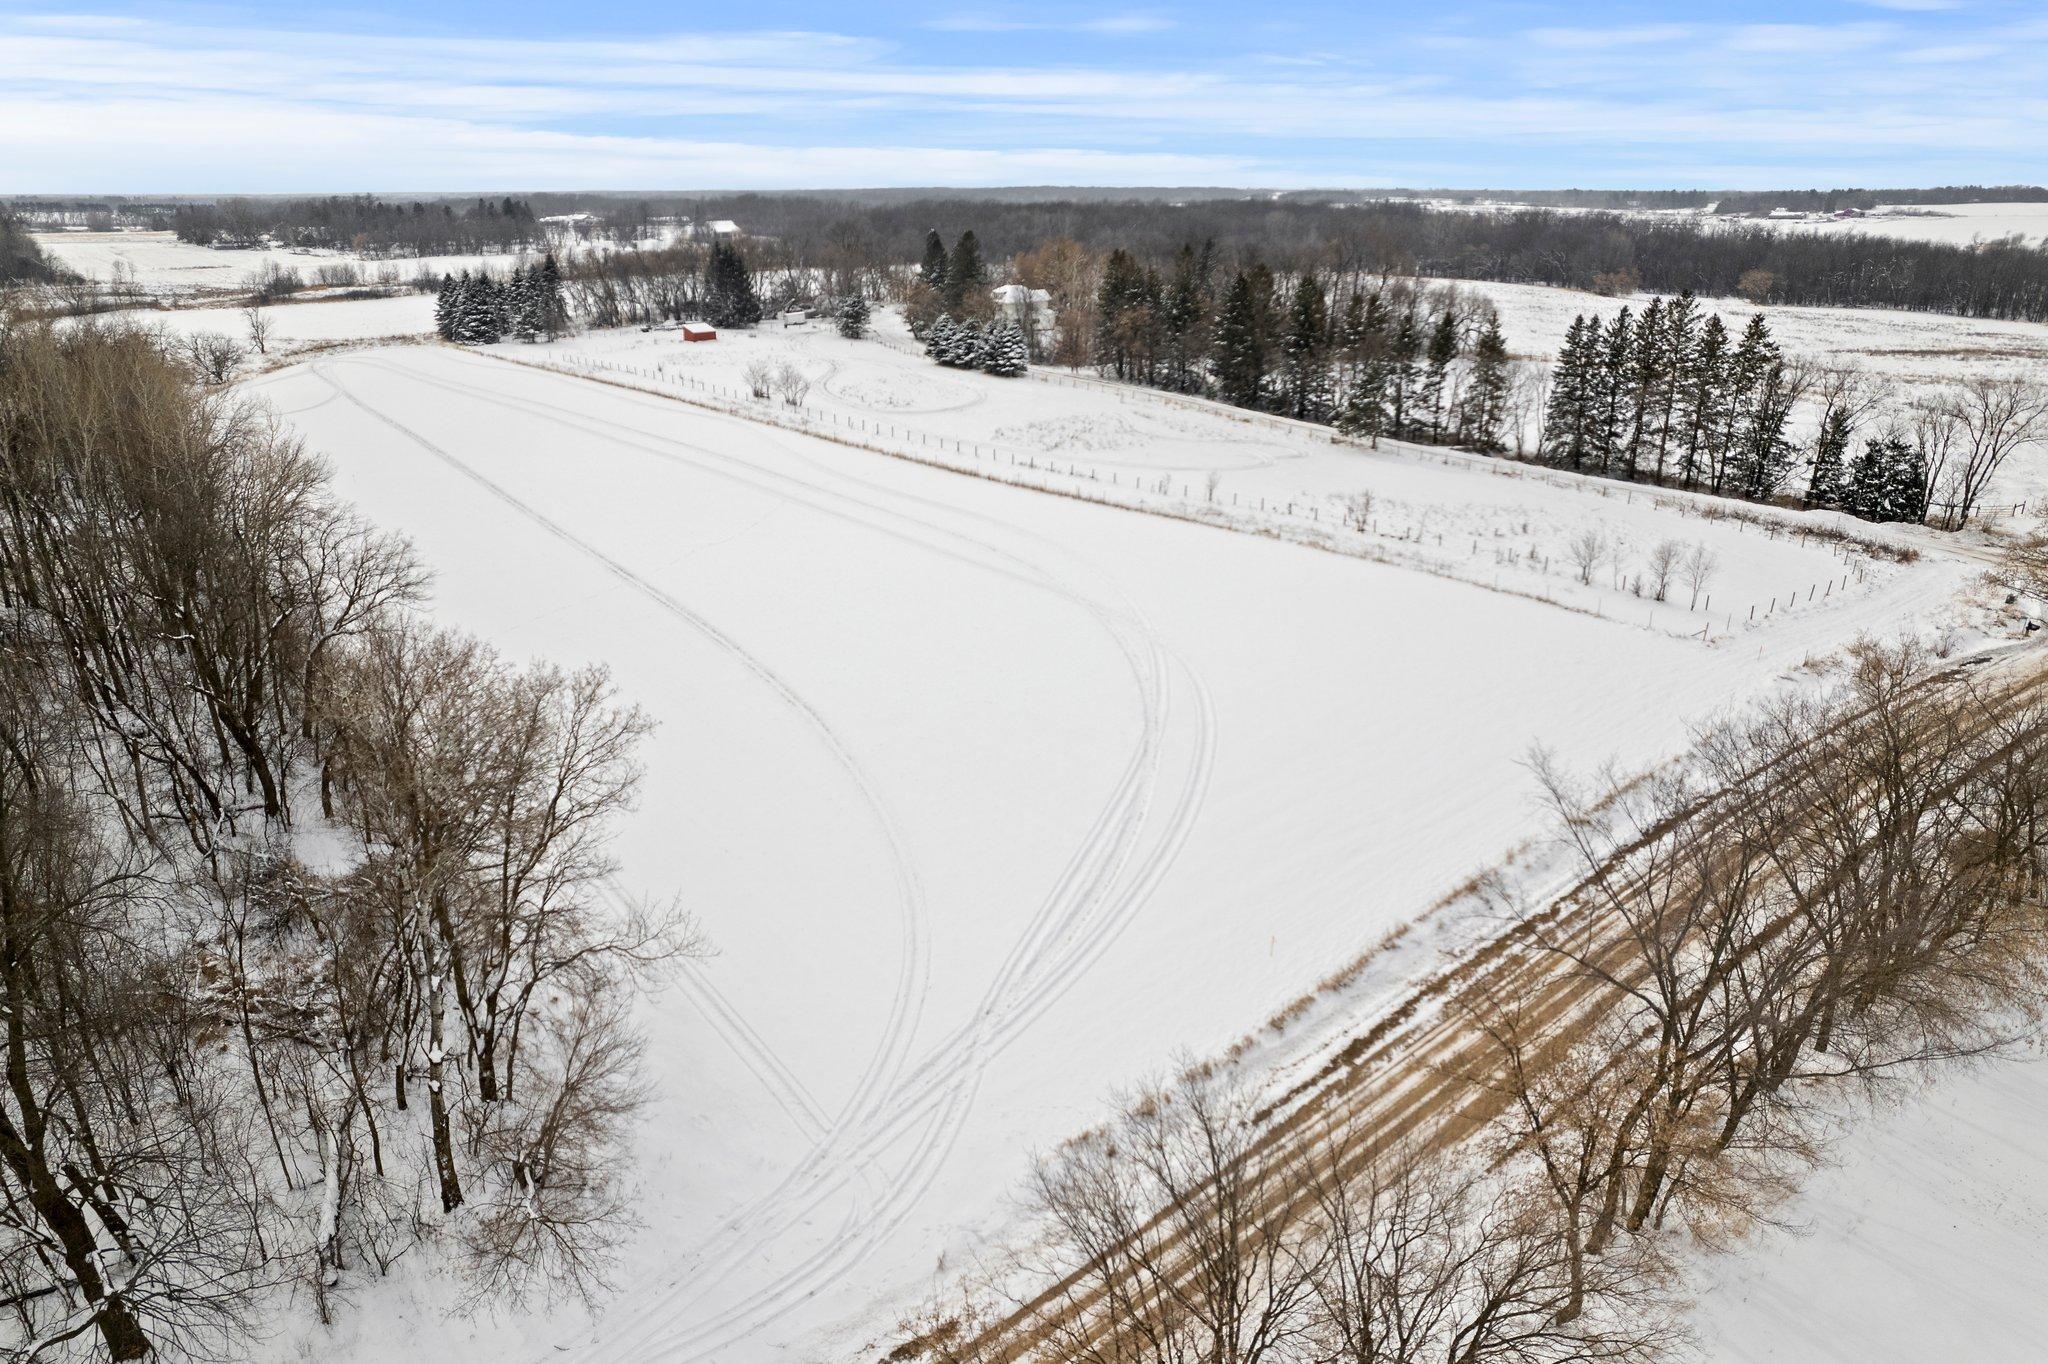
column 1921, row 1241
column 1467, row 517
column 992, row 802
column 158, row 263
column 296, row 323
column 1957, row 224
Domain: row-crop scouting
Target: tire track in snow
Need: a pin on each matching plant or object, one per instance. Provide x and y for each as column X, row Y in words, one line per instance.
column 1076, row 924
column 912, row 983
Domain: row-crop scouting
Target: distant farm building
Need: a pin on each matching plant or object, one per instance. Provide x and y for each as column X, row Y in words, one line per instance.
column 718, row 229
column 698, row 331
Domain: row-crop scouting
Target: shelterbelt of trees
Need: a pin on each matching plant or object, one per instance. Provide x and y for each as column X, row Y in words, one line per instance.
column 307, row 952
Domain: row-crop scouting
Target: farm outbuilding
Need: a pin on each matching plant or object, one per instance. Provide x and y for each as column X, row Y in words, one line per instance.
column 698, row 331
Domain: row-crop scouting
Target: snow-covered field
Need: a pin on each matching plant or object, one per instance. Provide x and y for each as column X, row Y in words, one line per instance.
column 1475, row 519
column 1921, row 1241
column 1959, row 224
column 158, row 263
column 992, row 802
column 296, row 324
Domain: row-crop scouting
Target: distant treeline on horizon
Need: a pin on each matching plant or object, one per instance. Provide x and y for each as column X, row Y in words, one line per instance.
column 1726, row 201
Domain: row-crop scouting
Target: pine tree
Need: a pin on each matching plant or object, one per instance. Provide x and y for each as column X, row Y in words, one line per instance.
column 933, row 271
column 729, row 297
column 853, row 317
column 551, row 313
column 1568, row 416
column 938, row 338
column 1680, row 344
column 1120, row 324
column 1484, row 404
column 1701, row 397
column 1403, row 350
column 1241, row 351
column 1006, row 355
column 1611, row 386
column 1306, row 373
column 1364, row 411
column 1889, row 482
column 1184, row 322
column 446, row 301
column 1828, row 485
column 1757, row 408
column 1443, row 349
column 965, row 273
column 1648, row 374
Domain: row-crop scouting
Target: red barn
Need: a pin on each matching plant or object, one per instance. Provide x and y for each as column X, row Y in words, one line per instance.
column 698, row 331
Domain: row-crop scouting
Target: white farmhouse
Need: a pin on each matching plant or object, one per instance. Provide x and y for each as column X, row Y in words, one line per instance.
column 1029, row 309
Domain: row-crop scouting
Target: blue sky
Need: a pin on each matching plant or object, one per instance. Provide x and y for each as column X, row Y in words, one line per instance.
column 624, row 94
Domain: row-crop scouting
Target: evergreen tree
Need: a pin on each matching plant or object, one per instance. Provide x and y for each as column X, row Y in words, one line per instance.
column 933, row 271
column 522, row 304
column 1484, row 404
column 1184, row 322
column 1702, row 393
column 1611, row 388
column 1443, row 349
column 1007, row 353
column 446, row 308
column 1568, row 416
column 1403, row 350
column 1364, row 411
column 1680, row 345
column 1828, row 486
column 965, row 273
column 1120, row 322
column 1889, row 482
column 729, row 297
column 1757, row 406
column 1648, row 374
column 1305, row 376
column 938, row 338
column 853, row 317
column 1241, row 347
column 551, row 313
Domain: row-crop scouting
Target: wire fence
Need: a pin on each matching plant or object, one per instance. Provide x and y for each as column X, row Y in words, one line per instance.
column 1300, row 520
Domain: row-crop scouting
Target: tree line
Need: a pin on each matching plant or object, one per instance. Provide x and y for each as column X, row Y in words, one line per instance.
column 1833, row 896
column 1666, row 254
column 307, row 947
column 1668, row 396
column 364, row 223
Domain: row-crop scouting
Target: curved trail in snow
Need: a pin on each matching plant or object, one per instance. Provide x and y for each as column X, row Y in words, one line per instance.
column 1104, row 883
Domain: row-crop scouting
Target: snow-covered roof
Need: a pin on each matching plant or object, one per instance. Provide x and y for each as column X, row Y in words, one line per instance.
column 723, row 226
column 1017, row 293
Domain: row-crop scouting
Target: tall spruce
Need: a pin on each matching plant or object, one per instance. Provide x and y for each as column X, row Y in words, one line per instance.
column 933, row 270
column 1443, row 349
column 965, row 272
column 1483, row 406
column 1241, row 346
column 1305, row 375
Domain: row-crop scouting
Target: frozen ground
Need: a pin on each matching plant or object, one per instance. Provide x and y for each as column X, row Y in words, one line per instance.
column 158, row 263
column 993, row 802
column 1475, row 519
column 1959, row 224
column 1922, row 1241
column 297, row 324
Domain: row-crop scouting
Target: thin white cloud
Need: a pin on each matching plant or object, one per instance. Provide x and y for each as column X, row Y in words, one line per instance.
column 980, row 22
column 809, row 108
